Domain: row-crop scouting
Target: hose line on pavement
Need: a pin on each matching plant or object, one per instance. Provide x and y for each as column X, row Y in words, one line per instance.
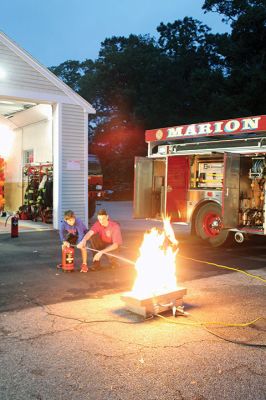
column 225, row 267
column 217, row 323
column 205, row 325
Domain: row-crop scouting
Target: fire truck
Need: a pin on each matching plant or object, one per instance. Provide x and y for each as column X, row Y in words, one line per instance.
column 210, row 175
column 95, row 182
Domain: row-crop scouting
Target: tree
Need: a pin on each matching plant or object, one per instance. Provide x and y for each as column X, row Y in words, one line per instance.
column 188, row 75
column 232, row 9
column 124, row 87
column 129, row 72
column 116, row 147
column 70, row 72
column 196, row 79
column 244, row 53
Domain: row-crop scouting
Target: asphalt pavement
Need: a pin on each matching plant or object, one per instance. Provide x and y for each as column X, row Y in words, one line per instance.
column 69, row 335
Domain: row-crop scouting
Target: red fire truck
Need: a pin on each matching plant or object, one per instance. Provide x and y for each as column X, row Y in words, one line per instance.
column 95, row 182
column 210, row 175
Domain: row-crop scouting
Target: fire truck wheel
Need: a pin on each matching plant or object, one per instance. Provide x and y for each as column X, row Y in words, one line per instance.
column 92, row 208
column 208, row 225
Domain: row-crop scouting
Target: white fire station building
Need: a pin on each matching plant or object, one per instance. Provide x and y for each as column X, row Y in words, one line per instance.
column 43, row 131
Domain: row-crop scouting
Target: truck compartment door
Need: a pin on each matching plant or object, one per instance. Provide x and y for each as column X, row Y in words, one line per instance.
column 178, row 171
column 143, row 185
column 230, row 196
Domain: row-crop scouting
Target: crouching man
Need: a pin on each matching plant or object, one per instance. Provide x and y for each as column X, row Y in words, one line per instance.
column 104, row 236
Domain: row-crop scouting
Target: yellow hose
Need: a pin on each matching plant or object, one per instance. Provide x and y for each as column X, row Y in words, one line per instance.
column 225, row 267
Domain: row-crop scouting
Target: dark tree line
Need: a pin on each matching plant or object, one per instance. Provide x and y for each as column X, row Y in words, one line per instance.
column 187, row 75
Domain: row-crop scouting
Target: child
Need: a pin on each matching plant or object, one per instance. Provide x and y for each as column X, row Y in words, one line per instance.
column 72, row 231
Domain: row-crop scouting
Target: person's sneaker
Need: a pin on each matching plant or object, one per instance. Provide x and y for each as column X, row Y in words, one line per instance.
column 59, row 266
column 84, row 268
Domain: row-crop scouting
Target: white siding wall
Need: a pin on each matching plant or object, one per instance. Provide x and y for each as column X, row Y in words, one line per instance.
column 20, row 75
column 38, row 137
column 74, row 155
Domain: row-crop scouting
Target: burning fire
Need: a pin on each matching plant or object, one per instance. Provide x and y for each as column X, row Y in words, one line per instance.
column 156, row 267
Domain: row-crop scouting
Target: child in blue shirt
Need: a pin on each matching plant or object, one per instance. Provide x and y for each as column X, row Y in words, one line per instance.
column 72, row 231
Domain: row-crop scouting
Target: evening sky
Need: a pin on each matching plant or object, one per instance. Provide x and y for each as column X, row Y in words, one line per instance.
column 54, row 31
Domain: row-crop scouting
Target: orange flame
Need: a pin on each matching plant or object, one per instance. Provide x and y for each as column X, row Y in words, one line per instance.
column 156, row 265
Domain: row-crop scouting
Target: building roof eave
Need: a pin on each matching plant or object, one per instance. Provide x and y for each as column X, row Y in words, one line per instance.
column 24, row 55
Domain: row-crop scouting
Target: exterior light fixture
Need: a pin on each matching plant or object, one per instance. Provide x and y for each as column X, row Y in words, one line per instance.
column 2, row 73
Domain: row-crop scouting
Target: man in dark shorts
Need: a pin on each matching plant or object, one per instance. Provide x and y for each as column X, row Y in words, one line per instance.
column 72, row 231
column 104, row 236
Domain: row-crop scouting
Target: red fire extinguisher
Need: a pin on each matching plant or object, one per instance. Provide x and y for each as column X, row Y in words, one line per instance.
column 14, row 225
column 68, row 259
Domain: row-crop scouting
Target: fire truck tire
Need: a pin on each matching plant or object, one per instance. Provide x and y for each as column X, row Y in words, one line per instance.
column 92, row 207
column 208, row 224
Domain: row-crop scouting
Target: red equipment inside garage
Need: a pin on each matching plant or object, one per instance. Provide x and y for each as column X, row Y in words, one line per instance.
column 2, row 184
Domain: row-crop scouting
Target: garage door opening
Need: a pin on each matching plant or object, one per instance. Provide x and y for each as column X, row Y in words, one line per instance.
column 26, row 159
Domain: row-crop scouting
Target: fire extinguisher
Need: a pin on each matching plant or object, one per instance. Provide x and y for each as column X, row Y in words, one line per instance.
column 68, row 259
column 14, row 225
